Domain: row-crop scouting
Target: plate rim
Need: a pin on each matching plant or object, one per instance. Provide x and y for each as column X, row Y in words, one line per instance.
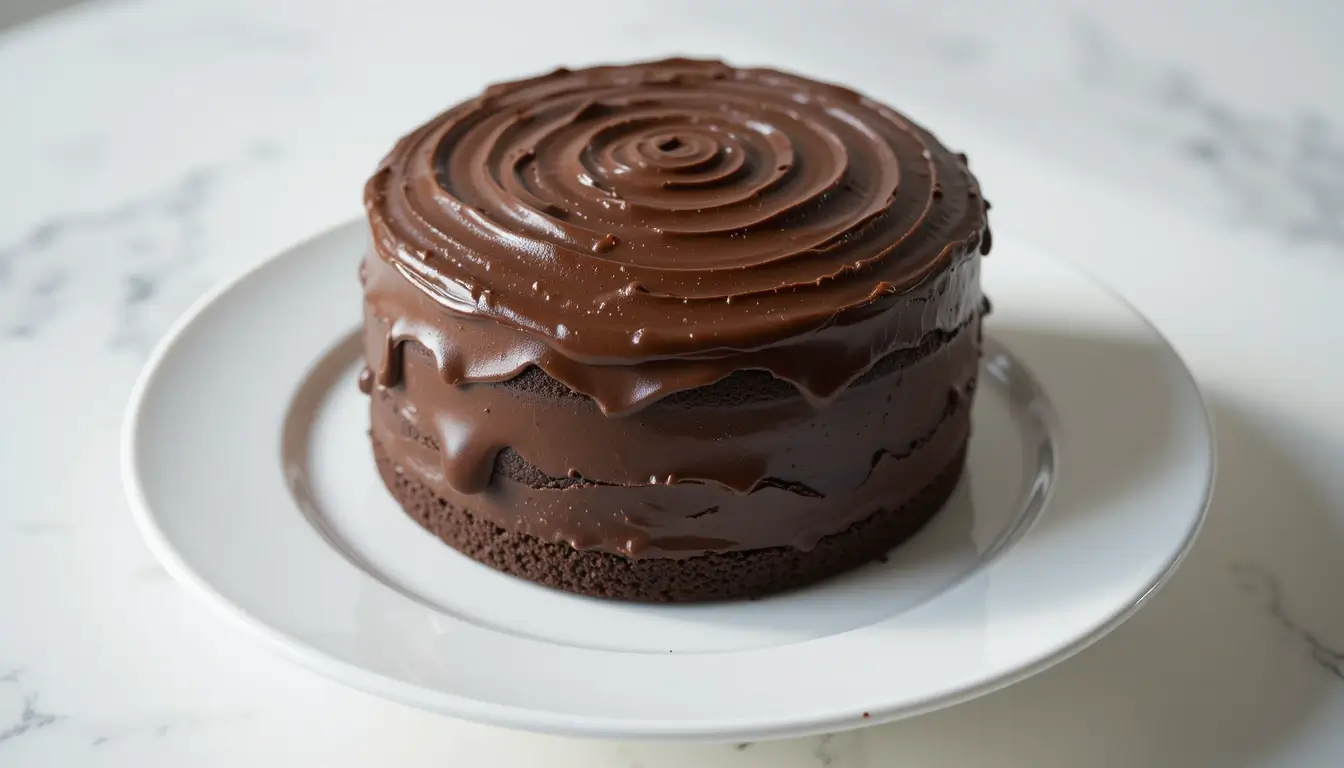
column 452, row 704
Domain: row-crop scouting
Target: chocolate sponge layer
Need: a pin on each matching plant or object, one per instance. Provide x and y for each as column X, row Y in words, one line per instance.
column 707, row 577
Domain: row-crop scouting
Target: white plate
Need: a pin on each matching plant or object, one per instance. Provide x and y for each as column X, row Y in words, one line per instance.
column 248, row 467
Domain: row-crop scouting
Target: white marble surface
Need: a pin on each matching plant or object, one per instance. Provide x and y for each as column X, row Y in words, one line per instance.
column 1190, row 153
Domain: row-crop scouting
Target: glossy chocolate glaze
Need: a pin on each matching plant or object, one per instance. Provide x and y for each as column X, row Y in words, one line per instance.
column 617, row 218
column 640, row 231
column 674, row 480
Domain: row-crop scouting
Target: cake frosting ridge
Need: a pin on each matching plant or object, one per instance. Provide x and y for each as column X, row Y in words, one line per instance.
column 600, row 223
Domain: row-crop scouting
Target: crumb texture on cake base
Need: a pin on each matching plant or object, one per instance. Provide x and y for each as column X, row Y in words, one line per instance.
column 704, row 578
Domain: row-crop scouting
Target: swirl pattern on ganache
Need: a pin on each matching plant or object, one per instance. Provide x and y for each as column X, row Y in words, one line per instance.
column 639, row 230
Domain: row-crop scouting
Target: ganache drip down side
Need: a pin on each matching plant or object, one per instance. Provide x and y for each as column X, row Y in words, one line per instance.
column 641, row 230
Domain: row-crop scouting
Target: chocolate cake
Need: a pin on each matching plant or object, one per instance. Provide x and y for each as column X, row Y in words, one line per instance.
column 673, row 331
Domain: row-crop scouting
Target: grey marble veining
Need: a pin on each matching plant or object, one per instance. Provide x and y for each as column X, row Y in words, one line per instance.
column 1260, row 583
column 136, row 262
column 31, row 718
column 1279, row 171
column 822, row 752
column 176, row 725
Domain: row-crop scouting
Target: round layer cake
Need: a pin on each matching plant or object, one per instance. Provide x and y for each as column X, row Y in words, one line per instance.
column 673, row 331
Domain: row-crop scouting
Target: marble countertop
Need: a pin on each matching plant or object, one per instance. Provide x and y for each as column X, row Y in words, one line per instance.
column 1190, row 153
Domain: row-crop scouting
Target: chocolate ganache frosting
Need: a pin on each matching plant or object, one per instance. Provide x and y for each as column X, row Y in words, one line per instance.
column 673, row 308
column 618, row 218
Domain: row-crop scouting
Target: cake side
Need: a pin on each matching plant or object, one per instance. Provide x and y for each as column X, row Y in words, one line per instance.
column 673, row 330
column 676, row 480
column 705, row 577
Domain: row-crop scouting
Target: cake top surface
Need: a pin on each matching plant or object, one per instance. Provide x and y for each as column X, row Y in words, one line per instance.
column 680, row 209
